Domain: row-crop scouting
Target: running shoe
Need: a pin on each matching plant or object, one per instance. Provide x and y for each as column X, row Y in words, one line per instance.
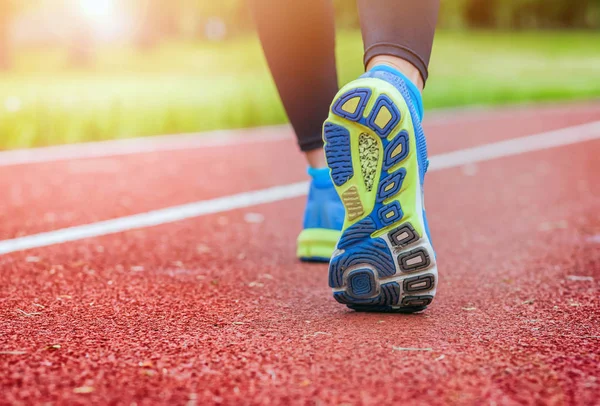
column 323, row 219
column 377, row 153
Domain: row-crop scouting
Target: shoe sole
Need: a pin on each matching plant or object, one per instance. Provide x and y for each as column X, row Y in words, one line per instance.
column 317, row 244
column 384, row 260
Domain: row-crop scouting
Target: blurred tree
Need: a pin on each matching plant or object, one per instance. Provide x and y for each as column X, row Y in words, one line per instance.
column 480, row 13
column 221, row 19
column 523, row 14
column 569, row 14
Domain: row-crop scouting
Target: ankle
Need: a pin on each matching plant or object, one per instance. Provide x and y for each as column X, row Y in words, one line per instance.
column 401, row 65
column 316, row 158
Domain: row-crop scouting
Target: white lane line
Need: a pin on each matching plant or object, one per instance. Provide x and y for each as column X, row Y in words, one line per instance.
column 156, row 217
column 132, row 146
column 566, row 136
column 516, row 146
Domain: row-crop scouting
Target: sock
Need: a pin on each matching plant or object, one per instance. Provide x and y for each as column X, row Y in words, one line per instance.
column 320, row 176
column 413, row 91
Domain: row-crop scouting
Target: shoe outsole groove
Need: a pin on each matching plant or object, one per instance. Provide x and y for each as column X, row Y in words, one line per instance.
column 363, row 93
column 396, row 151
column 414, row 260
column 361, row 283
column 357, row 233
column 403, row 236
column 383, row 102
column 390, row 185
column 373, row 252
column 417, row 301
column 419, row 283
column 390, row 213
column 338, row 153
column 389, row 294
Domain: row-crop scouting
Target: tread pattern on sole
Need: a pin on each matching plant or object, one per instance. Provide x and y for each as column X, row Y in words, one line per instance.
column 417, row 301
column 414, row 260
column 364, row 94
column 389, row 294
column 391, row 185
column 382, row 104
column 352, row 203
column 357, row 233
column 396, row 151
column 361, row 283
column 373, row 252
column 368, row 152
column 390, row 213
column 419, row 283
column 338, row 153
column 403, row 235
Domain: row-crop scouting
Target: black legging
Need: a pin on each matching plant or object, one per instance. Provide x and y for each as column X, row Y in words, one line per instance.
column 298, row 38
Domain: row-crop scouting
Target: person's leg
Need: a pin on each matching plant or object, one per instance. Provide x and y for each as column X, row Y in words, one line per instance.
column 375, row 148
column 298, row 39
column 399, row 34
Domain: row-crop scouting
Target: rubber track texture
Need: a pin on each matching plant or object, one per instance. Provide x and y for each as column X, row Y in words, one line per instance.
column 216, row 310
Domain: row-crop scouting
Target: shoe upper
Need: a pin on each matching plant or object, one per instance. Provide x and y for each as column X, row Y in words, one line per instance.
column 407, row 90
column 324, row 208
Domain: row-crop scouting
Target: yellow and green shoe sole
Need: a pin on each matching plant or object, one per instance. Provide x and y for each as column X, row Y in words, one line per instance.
column 384, row 260
column 317, row 244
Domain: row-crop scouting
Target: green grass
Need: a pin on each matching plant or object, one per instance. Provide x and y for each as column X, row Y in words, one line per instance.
column 196, row 87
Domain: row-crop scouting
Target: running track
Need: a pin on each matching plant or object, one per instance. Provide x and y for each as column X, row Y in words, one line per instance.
column 214, row 308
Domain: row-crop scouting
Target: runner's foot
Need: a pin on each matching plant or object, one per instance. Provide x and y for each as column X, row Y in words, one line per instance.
column 376, row 150
column 323, row 219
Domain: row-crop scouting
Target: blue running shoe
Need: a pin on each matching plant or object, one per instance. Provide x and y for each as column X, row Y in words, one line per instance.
column 376, row 150
column 323, row 219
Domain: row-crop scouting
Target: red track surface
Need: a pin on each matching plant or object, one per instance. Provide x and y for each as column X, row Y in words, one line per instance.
column 217, row 309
